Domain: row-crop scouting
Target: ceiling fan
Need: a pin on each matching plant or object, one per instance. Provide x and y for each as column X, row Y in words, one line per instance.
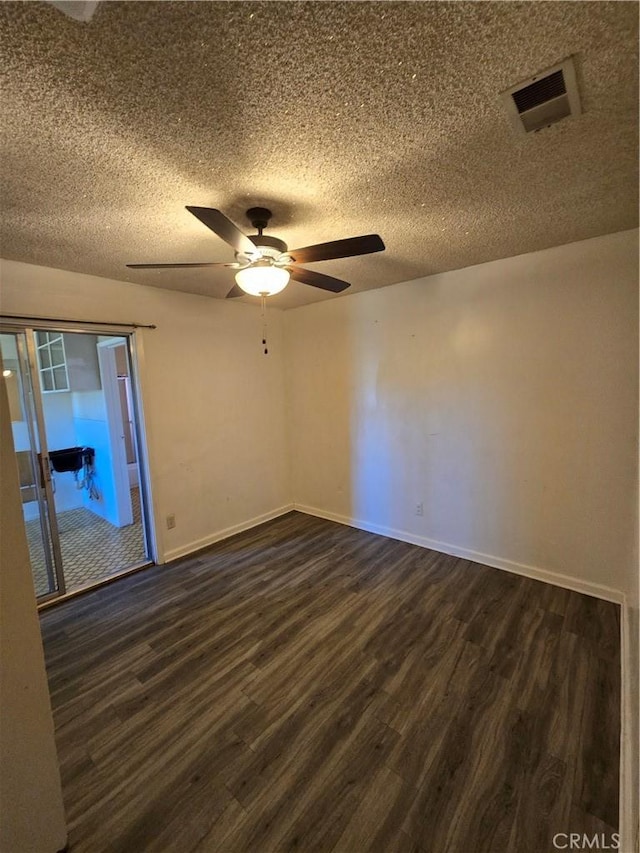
column 264, row 263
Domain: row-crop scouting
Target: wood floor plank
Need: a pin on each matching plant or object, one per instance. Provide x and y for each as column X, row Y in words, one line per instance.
column 465, row 755
column 374, row 814
column 231, row 821
column 599, row 790
column 541, row 808
column 329, row 783
column 306, row 686
column 186, row 808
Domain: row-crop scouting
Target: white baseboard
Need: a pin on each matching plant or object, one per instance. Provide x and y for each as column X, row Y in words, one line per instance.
column 134, row 476
column 198, row 544
column 566, row 581
column 629, row 736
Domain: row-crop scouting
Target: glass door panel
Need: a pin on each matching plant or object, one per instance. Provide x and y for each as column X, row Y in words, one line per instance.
column 35, row 486
column 97, row 485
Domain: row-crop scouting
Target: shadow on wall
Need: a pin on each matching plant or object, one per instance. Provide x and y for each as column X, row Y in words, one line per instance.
column 421, row 447
column 434, row 419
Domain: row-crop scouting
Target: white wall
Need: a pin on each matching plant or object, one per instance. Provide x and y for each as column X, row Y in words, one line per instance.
column 31, row 809
column 214, row 403
column 90, row 421
column 61, row 432
column 502, row 397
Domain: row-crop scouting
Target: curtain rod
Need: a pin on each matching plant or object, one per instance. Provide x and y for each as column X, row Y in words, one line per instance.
column 78, row 322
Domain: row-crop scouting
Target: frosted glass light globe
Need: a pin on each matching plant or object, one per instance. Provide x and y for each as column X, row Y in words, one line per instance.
column 262, row 280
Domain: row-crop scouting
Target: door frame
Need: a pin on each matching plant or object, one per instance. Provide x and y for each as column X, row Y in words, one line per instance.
column 109, row 379
column 51, row 520
column 31, row 401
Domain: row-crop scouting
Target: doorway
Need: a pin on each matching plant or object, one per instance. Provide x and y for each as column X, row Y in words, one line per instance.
column 73, row 403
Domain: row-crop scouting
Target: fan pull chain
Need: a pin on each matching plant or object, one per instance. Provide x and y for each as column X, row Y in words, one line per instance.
column 263, row 303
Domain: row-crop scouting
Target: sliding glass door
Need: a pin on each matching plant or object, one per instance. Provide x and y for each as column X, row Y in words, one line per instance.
column 36, row 490
column 79, row 450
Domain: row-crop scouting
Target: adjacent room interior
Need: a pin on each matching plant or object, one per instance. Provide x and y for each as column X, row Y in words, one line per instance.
column 84, row 387
column 376, row 534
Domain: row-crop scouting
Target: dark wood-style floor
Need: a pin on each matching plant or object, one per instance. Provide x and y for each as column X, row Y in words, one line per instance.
column 307, row 686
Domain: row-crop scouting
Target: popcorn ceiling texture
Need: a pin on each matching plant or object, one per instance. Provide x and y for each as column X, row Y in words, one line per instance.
column 343, row 118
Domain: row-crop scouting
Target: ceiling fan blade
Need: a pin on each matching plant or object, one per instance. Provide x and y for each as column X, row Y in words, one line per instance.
column 318, row 279
column 175, row 266
column 338, row 249
column 224, row 228
column 236, row 290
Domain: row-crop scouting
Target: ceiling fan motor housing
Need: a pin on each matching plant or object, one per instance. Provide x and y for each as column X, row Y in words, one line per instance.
column 259, row 217
column 270, row 247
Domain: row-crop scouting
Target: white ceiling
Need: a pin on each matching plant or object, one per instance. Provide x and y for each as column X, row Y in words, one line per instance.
column 343, row 118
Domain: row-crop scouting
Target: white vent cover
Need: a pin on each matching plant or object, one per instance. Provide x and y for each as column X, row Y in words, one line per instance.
column 544, row 99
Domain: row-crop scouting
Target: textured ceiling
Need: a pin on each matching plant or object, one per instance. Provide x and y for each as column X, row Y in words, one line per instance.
column 343, row 118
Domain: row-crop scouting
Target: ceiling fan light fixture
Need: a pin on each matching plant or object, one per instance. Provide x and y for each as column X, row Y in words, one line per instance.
column 262, row 280
column 264, row 263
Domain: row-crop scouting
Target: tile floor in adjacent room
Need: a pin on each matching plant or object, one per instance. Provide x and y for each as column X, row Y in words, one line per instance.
column 92, row 548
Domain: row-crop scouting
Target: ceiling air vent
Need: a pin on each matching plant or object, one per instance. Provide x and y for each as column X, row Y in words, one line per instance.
column 544, row 99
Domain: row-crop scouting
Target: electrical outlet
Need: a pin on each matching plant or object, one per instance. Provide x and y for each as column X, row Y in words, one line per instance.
column 171, row 522
column 420, row 509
